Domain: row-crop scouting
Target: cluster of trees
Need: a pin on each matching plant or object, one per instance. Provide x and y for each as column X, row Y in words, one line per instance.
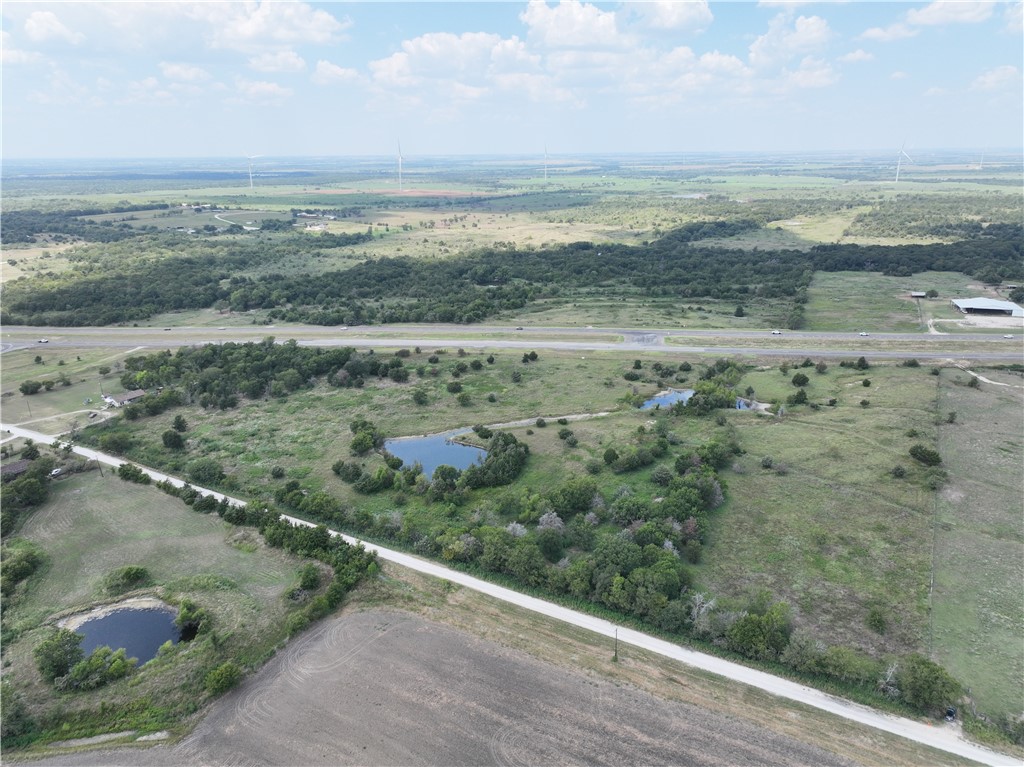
column 473, row 287
column 60, row 660
column 27, row 225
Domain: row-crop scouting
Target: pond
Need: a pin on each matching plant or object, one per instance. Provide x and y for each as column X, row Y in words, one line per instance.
column 433, row 451
column 667, row 398
column 139, row 631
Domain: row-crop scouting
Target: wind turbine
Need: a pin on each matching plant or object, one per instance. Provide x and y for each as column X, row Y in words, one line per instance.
column 250, row 158
column 399, row 166
column 899, row 161
column 545, row 163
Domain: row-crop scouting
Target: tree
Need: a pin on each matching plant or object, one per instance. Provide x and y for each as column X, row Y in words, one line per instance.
column 926, row 684
column 931, row 293
column 31, row 451
column 739, row 312
column 58, row 653
column 173, row 440
column 30, row 387
column 205, row 471
column 611, row 455
column 821, row 367
column 800, row 380
column 180, row 424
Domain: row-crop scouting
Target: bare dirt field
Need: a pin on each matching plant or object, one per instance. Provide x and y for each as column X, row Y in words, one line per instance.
column 385, row 687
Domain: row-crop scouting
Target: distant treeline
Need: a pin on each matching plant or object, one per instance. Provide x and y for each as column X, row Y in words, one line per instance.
column 471, row 288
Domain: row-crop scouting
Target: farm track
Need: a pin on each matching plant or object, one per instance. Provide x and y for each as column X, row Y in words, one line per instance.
column 944, row 738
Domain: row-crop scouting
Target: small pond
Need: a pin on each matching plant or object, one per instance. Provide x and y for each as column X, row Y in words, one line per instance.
column 139, row 631
column 667, row 398
column 433, row 451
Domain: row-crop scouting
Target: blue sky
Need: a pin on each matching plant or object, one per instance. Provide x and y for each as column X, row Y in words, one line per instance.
column 152, row 79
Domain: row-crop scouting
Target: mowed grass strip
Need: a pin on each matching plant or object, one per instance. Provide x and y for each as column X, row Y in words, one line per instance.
column 978, row 613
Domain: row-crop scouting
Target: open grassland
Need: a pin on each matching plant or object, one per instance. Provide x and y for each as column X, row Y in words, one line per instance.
column 875, row 302
column 81, row 368
column 93, row 524
column 827, row 528
column 29, row 260
column 624, row 308
column 978, row 613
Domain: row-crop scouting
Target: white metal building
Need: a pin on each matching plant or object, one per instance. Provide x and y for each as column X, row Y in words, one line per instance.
column 987, row 306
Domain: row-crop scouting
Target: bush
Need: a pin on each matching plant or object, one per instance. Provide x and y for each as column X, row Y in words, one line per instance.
column 927, row 685
column 866, row 383
column 631, row 375
column 898, row 472
column 131, row 473
column 56, row 654
column 125, row 579
column 222, row 678
column 454, row 387
column 800, row 379
column 173, row 440
column 205, row 471
column 925, row 455
column 278, row 472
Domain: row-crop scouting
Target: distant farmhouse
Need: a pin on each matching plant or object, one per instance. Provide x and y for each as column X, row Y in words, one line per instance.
column 987, row 306
column 120, row 400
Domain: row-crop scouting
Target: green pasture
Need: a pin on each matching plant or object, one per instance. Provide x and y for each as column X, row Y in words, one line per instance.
column 827, row 528
column 978, row 615
column 93, row 524
column 80, row 366
column 872, row 301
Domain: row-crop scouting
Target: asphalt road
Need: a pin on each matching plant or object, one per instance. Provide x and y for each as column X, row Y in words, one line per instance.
column 943, row 737
column 975, row 346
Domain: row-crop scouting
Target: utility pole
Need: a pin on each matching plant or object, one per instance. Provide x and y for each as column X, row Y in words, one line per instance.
column 615, row 657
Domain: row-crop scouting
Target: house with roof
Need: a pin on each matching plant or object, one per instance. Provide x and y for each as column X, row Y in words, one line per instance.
column 126, row 398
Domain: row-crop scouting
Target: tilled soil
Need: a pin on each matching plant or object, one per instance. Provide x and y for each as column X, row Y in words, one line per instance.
column 391, row 688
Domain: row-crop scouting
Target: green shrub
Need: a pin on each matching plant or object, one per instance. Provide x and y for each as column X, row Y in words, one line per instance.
column 222, row 678
column 925, row 455
column 125, row 579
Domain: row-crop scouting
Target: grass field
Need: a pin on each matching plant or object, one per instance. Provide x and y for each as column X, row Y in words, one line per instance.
column 827, row 528
column 978, row 614
column 26, row 260
column 93, row 524
column 871, row 301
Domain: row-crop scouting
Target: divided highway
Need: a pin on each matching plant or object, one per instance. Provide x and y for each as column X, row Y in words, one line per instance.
column 943, row 737
column 968, row 346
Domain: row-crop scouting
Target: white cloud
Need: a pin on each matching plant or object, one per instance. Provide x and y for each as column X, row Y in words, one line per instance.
column 898, row 75
column 41, row 26
column 947, row 12
column 188, row 73
column 897, row 31
column 673, row 15
column 147, row 91
column 935, row 91
column 812, row 73
column 783, row 41
column 252, row 26
column 278, row 61
column 855, row 56
column 11, row 55
column 999, row 78
column 572, row 24
column 1014, row 16
column 783, row 3
column 327, row 73
column 260, row 92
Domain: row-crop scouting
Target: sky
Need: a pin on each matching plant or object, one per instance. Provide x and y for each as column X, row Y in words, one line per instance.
column 291, row 78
